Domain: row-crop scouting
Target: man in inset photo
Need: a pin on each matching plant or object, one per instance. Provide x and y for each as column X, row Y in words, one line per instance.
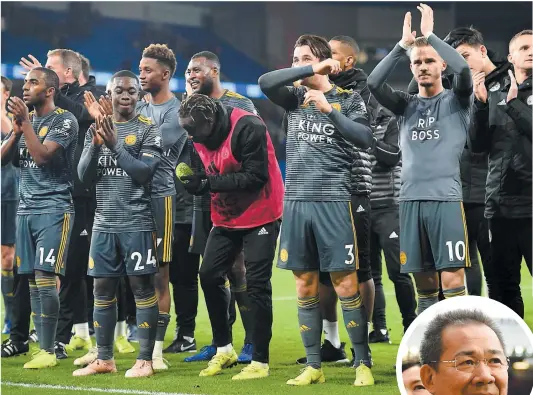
column 411, row 377
column 463, row 353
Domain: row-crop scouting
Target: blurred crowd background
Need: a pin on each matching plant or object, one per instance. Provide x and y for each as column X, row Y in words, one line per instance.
column 249, row 37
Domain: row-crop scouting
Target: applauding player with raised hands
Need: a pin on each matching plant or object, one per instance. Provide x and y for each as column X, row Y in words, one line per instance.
column 433, row 131
column 121, row 155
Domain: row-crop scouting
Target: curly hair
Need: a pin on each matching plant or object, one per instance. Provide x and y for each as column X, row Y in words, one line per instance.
column 163, row 54
column 198, row 104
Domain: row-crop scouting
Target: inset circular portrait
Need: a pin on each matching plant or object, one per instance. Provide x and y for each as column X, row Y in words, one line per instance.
column 467, row 345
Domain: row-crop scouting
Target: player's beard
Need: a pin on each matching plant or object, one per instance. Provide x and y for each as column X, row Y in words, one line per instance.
column 206, row 88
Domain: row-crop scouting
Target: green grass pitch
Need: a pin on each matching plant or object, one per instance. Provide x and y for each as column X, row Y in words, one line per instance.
column 285, row 349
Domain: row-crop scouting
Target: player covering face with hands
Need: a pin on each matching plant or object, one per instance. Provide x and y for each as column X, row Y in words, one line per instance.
column 244, row 180
column 324, row 124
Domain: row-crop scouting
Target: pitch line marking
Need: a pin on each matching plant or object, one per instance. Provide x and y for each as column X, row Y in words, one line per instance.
column 86, row 389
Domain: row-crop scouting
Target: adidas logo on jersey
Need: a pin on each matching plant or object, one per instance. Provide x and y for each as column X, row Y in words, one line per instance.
column 379, row 127
column 360, row 209
column 145, row 325
column 502, row 103
column 263, row 231
column 84, row 232
column 393, row 235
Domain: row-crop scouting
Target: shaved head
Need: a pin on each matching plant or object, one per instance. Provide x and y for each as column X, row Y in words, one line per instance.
column 345, row 50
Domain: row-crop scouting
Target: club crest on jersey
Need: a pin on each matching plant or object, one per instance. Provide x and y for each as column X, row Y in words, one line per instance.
column 130, row 139
column 336, row 106
column 43, row 132
column 529, row 100
column 495, row 87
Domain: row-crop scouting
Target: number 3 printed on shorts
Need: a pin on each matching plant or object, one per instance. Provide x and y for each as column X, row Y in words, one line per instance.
column 150, row 260
column 349, row 247
column 460, row 250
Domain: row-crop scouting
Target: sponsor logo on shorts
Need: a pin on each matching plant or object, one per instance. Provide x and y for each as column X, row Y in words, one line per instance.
column 96, row 324
column 530, row 100
column 43, row 131
column 18, row 261
column 336, row 106
column 130, row 139
column 283, row 255
column 403, row 258
column 91, row 262
column 145, row 325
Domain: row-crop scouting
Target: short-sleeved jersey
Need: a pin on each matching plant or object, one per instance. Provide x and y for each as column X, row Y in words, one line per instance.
column 47, row 188
column 123, row 205
column 10, row 177
column 433, row 132
column 319, row 158
column 173, row 138
column 232, row 99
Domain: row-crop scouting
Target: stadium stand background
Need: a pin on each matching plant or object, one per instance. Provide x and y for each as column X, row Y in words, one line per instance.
column 249, row 38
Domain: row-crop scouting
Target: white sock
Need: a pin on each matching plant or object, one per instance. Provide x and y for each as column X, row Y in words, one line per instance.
column 82, row 330
column 120, row 329
column 158, row 349
column 331, row 332
column 260, row 364
column 227, row 348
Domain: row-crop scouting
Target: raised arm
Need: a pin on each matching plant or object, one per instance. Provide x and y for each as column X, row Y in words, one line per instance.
column 519, row 111
column 462, row 82
column 394, row 100
column 274, row 84
column 88, row 163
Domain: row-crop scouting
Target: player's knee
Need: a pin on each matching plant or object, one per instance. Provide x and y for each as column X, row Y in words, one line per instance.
column 105, row 287
column 8, row 257
column 306, row 284
column 453, row 278
column 345, row 283
column 142, row 285
column 210, row 276
column 238, row 272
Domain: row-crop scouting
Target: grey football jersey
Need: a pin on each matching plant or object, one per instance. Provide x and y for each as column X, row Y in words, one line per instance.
column 48, row 188
column 319, row 158
column 433, row 132
column 173, row 138
column 123, row 205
